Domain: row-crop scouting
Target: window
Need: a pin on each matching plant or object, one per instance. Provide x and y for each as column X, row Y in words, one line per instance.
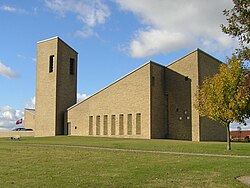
column 152, row 81
column 90, row 125
column 121, row 131
column 129, row 124
column 105, row 125
column 113, row 125
column 51, row 63
column 138, row 123
column 71, row 66
column 97, row 125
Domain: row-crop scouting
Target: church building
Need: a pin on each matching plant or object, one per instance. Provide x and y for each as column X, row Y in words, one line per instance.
column 153, row 101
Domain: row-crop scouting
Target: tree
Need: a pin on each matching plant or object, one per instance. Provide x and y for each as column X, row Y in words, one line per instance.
column 226, row 96
column 239, row 25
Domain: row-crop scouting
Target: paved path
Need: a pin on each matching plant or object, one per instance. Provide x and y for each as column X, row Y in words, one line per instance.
column 244, row 179
column 141, row 151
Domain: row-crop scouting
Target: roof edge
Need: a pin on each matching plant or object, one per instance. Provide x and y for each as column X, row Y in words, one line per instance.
column 47, row 39
column 56, row 37
column 182, row 57
column 195, row 50
column 209, row 55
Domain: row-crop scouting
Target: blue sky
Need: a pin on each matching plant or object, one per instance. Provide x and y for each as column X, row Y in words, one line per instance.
column 112, row 37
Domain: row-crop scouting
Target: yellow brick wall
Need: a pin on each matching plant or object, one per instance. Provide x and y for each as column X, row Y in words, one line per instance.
column 55, row 91
column 188, row 66
column 66, row 83
column 158, row 102
column 29, row 121
column 5, row 134
column 178, row 88
column 209, row 129
column 45, row 122
column 160, row 98
column 129, row 95
column 198, row 65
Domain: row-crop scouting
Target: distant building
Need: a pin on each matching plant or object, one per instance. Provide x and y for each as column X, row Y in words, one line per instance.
column 153, row 101
column 243, row 134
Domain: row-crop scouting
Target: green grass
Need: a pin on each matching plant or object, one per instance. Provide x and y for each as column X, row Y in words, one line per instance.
column 154, row 144
column 25, row 165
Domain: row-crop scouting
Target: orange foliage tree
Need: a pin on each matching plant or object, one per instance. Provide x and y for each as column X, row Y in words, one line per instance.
column 226, row 96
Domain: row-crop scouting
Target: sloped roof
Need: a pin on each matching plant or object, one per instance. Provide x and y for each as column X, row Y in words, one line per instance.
column 114, row 83
column 198, row 50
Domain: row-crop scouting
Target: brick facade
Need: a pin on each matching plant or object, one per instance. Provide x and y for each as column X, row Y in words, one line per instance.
column 152, row 101
column 128, row 97
column 55, row 86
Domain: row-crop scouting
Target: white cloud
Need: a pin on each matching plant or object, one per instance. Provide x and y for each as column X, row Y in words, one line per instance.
column 234, row 126
column 154, row 41
column 33, row 101
column 12, row 9
column 87, row 32
column 28, row 59
column 81, row 97
column 9, row 116
column 174, row 25
column 8, row 8
column 88, row 12
column 6, row 71
column 31, row 104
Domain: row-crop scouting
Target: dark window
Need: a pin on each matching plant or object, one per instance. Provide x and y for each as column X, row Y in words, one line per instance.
column 138, row 123
column 121, row 131
column 129, row 129
column 97, row 125
column 105, row 125
column 152, row 81
column 90, row 125
column 51, row 63
column 113, row 125
column 71, row 66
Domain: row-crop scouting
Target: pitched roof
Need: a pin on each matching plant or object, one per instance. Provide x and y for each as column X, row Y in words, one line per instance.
column 115, row 82
column 198, row 50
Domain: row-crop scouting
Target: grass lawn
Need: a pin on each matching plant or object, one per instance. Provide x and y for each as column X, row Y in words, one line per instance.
column 25, row 165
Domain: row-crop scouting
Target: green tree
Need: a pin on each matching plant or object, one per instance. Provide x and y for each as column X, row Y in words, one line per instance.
column 226, row 96
column 239, row 25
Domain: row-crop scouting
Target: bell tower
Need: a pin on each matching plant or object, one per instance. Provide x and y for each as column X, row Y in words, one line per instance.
column 56, row 85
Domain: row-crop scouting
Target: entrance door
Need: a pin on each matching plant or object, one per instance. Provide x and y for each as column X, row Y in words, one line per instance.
column 69, row 129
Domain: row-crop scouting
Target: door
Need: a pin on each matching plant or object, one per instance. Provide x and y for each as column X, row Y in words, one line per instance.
column 69, row 129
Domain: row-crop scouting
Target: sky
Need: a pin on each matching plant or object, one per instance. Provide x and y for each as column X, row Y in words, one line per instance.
column 112, row 37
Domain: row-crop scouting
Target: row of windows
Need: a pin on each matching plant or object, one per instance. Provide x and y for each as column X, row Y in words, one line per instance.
column 71, row 64
column 113, row 126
